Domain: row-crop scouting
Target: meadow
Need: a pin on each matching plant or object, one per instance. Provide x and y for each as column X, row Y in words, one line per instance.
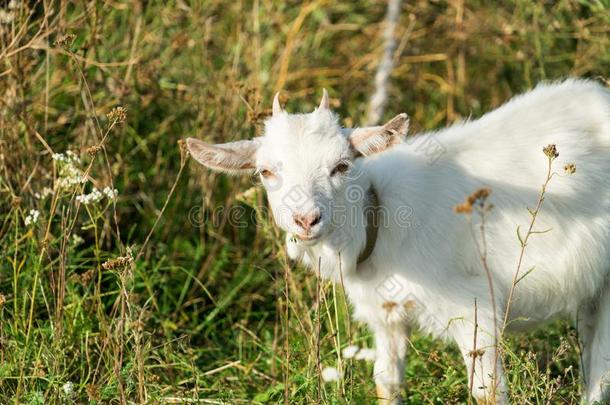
column 129, row 274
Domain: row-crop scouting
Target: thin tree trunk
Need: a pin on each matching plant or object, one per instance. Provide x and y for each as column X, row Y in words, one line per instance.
column 384, row 70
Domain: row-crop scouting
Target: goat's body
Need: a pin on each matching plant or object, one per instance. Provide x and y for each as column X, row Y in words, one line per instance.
column 428, row 270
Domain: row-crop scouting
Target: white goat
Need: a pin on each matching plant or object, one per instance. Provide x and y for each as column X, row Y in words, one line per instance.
column 327, row 185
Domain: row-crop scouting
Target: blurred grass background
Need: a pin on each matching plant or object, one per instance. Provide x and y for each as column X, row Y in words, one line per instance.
column 211, row 311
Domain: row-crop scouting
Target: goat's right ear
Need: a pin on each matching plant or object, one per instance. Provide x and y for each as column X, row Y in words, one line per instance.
column 370, row 140
column 232, row 157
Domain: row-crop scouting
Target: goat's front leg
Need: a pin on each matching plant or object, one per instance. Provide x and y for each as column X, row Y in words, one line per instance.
column 485, row 377
column 391, row 351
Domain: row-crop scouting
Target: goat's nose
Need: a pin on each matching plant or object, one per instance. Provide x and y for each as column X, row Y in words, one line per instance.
column 307, row 221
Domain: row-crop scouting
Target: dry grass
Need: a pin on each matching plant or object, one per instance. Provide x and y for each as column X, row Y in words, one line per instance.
column 206, row 309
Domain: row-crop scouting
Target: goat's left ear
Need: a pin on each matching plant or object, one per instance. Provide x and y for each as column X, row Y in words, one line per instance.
column 370, row 140
column 231, row 157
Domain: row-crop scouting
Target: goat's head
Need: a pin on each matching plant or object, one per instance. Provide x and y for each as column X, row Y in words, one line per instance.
column 305, row 162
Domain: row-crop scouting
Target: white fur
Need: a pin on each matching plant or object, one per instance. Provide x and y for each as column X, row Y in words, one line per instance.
column 425, row 269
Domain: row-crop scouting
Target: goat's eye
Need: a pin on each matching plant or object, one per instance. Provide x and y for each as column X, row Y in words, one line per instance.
column 340, row 168
column 266, row 173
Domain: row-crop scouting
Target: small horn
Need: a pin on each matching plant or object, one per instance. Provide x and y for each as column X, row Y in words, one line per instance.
column 277, row 108
column 324, row 105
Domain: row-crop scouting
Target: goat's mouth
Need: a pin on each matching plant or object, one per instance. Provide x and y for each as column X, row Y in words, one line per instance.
column 307, row 238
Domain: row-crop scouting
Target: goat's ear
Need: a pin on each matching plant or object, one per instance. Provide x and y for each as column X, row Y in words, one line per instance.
column 232, row 157
column 370, row 140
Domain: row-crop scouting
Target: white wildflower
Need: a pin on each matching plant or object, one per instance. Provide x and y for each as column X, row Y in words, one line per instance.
column 330, row 374
column 13, row 5
column 32, row 217
column 366, row 354
column 72, row 157
column 46, row 191
column 69, row 173
column 68, row 388
column 350, row 351
column 111, row 193
column 76, row 240
column 94, row 196
column 6, row 17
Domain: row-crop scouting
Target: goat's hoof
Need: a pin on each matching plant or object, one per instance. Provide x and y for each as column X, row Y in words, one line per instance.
column 386, row 397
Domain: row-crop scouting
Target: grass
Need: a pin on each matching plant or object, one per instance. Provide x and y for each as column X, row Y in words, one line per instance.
column 210, row 309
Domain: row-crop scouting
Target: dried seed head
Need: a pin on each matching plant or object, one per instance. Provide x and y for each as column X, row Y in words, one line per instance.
column 119, row 262
column 92, row 391
column 551, row 151
column 117, row 115
column 183, row 147
column 389, row 305
column 433, row 356
column 92, row 150
column 184, row 151
column 137, row 325
column 476, row 353
column 65, row 41
column 570, row 168
column 409, row 305
column 87, row 276
column 2, row 300
column 478, row 199
column 564, row 347
column 39, row 369
column 464, row 208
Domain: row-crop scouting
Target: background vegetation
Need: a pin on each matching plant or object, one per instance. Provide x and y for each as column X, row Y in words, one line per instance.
column 207, row 310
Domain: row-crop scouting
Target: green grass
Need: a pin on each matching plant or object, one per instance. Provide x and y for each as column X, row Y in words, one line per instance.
column 210, row 310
